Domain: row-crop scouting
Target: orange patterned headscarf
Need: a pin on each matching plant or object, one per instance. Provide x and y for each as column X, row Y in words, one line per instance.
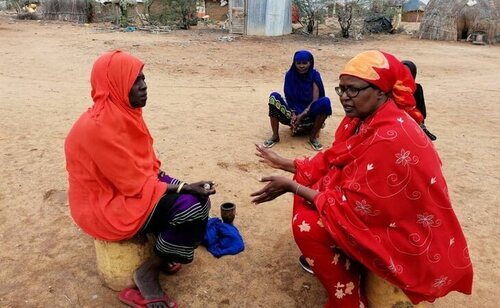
column 387, row 73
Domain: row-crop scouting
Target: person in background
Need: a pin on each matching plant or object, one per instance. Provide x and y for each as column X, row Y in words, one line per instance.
column 376, row 199
column 305, row 106
column 116, row 188
column 419, row 97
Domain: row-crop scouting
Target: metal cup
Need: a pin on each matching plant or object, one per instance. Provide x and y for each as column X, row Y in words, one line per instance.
column 227, row 212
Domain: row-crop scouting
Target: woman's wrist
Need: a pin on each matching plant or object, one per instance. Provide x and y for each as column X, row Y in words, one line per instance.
column 287, row 165
column 180, row 187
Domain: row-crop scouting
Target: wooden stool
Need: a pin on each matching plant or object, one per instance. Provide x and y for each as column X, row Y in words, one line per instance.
column 382, row 294
column 117, row 261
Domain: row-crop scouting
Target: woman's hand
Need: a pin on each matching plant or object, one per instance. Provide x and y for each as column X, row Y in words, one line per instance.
column 275, row 187
column 297, row 119
column 294, row 123
column 269, row 157
column 294, row 119
column 202, row 188
column 274, row 160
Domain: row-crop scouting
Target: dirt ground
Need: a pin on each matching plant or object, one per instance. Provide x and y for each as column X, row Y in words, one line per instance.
column 207, row 107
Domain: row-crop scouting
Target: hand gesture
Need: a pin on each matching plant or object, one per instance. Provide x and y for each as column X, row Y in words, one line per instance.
column 275, row 187
column 202, row 188
column 268, row 157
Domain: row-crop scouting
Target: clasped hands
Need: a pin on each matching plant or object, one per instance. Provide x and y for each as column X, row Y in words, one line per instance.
column 296, row 119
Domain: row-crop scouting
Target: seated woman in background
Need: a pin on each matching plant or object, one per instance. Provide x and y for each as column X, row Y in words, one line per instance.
column 377, row 199
column 305, row 107
column 116, row 188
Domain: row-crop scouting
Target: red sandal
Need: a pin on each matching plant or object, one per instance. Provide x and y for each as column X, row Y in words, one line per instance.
column 134, row 298
column 171, row 268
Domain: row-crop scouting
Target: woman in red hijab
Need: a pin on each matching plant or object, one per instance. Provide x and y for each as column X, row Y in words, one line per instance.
column 377, row 198
column 116, row 188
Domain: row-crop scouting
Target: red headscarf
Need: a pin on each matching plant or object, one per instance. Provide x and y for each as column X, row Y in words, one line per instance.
column 383, row 197
column 111, row 163
column 387, row 73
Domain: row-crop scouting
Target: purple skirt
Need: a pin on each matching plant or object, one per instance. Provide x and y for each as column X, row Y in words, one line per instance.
column 179, row 223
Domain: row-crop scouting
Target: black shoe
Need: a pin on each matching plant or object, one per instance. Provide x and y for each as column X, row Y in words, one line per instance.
column 428, row 133
column 305, row 265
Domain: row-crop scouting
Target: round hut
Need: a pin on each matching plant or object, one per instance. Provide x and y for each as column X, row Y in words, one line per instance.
column 459, row 19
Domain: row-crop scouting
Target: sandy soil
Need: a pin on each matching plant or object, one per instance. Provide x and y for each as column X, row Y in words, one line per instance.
column 207, row 107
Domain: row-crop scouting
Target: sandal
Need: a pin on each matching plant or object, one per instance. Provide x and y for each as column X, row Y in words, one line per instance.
column 316, row 145
column 427, row 132
column 171, row 268
column 269, row 143
column 133, row 298
column 305, row 265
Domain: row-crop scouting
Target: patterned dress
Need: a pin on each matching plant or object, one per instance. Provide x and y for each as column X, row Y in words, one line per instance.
column 383, row 205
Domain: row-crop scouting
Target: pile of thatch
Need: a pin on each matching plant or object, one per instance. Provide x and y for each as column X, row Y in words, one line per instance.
column 69, row 10
column 456, row 20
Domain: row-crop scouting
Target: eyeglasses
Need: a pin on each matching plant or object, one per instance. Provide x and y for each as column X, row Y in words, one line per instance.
column 352, row 92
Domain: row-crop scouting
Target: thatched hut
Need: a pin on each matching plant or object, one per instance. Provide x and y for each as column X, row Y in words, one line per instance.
column 68, row 10
column 413, row 11
column 458, row 19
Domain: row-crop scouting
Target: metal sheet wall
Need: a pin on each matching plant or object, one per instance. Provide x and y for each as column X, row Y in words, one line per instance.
column 268, row 17
column 256, row 17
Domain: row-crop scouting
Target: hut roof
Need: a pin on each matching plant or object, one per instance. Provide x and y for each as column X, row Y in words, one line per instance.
column 414, row 5
column 442, row 17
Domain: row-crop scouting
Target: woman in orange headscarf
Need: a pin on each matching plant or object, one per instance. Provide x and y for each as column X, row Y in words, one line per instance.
column 116, row 188
column 377, row 199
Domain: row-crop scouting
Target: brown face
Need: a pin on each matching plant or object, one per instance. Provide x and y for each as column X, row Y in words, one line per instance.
column 302, row 66
column 138, row 95
column 359, row 98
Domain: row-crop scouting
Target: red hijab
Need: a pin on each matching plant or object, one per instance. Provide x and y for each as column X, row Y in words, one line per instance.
column 382, row 195
column 111, row 163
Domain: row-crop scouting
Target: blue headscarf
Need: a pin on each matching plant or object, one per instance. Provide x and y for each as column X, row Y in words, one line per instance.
column 298, row 87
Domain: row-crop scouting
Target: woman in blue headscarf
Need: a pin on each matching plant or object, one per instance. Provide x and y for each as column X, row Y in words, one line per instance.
column 305, row 106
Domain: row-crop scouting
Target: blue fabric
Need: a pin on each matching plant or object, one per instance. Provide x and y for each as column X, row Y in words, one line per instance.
column 299, row 87
column 322, row 106
column 222, row 239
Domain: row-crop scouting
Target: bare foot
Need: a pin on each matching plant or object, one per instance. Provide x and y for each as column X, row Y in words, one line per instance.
column 146, row 277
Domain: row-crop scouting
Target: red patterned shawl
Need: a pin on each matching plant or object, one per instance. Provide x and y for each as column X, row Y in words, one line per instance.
column 384, row 200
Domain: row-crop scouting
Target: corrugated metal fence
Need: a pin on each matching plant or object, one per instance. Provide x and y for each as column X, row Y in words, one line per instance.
column 262, row 17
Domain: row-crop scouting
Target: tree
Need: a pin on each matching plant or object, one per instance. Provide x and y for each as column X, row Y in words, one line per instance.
column 179, row 13
column 123, row 13
column 313, row 12
column 348, row 10
column 343, row 10
column 123, row 6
